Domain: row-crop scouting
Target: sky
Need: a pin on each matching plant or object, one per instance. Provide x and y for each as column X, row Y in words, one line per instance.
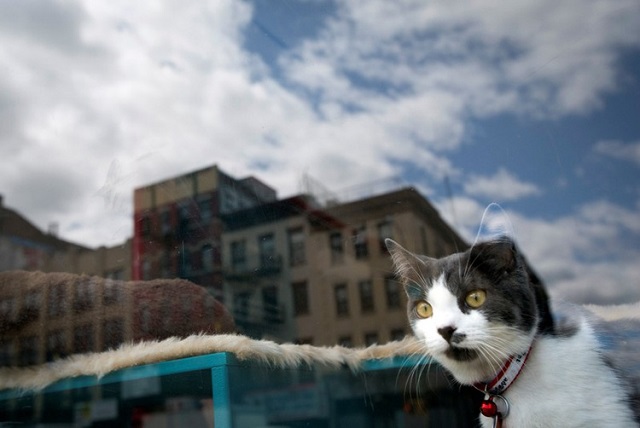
column 534, row 105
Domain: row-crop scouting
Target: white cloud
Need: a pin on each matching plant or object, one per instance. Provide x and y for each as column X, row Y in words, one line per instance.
column 629, row 152
column 502, row 186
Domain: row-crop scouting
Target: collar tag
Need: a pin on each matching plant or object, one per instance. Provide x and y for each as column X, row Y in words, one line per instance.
column 506, row 376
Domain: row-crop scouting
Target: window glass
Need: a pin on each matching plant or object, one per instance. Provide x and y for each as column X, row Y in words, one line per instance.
column 236, row 167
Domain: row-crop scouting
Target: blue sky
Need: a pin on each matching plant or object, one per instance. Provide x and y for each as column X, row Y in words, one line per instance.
column 533, row 105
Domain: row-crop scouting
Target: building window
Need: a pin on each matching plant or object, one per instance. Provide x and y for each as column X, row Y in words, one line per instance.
column 112, row 333
column 392, row 289
column 337, row 247
column 184, row 220
column 297, row 254
column 184, row 259
column 145, row 226
column 56, row 345
column 116, row 274
column 84, row 294
column 28, row 351
column 8, row 309
column 146, row 270
column 112, row 292
column 7, row 351
column 32, row 302
column 206, row 212
column 385, row 230
column 267, row 248
column 145, row 321
column 342, row 300
column 206, row 254
column 397, row 334
column 241, row 306
column 83, row 338
column 239, row 256
column 300, row 298
column 165, row 221
column 360, row 245
column 56, row 305
column 370, row 338
column 366, row 296
column 345, row 341
column 270, row 304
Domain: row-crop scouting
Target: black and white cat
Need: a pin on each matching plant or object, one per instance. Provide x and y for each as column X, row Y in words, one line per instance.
column 484, row 317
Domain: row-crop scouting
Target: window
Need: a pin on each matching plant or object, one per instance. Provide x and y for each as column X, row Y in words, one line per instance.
column 165, row 221
column 337, row 248
column 392, row 289
column 366, row 296
column 145, row 226
column 397, row 334
column 206, row 254
column 117, row 274
column 8, row 309
column 165, row 264
column 204, row 206
column 300, row 298
column 112, row 292
column 7, row 351
column 271, row 309
column 32, row 301
column 241, row 306
column 28, row 351
column 267, row 248
column 184, row 220
column 56, row 304
column 360, row 245
column 297, row 254
column 239, row 256
column 56, row 345
column 146, row 269
column 184, row 260
column 370, row 338
column 345, row 341
column 112, row 333
column 83, row 338
column 385, row 230
column 342, row 300
column 145, row 319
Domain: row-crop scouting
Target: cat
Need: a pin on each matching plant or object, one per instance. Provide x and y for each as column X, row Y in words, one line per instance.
column 483, row 315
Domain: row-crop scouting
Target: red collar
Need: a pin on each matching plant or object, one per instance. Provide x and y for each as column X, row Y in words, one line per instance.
column 506, row 376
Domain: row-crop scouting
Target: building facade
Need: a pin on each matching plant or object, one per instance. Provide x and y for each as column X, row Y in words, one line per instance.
column 294, row 271
column 351, row 289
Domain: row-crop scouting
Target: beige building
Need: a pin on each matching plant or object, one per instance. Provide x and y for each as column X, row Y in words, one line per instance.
column 326, row 272
column 353, row 294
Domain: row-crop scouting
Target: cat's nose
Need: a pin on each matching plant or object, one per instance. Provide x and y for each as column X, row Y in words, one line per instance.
column 447, row 332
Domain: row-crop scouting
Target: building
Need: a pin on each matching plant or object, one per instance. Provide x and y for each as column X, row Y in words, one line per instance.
column 351, row 296
column 23, row 246
column 289, row 270
column 294, row 271
column 267, row 261
column 177, row 226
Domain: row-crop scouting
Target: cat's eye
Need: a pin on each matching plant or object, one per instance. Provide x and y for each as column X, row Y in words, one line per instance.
column 423, row 309
column 476, row 298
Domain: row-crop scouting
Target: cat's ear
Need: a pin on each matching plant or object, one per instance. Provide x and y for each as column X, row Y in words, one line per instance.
column 495, row 257
column 406, row 264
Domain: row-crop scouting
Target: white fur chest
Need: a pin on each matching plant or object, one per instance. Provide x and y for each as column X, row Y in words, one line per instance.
column 565, row 383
